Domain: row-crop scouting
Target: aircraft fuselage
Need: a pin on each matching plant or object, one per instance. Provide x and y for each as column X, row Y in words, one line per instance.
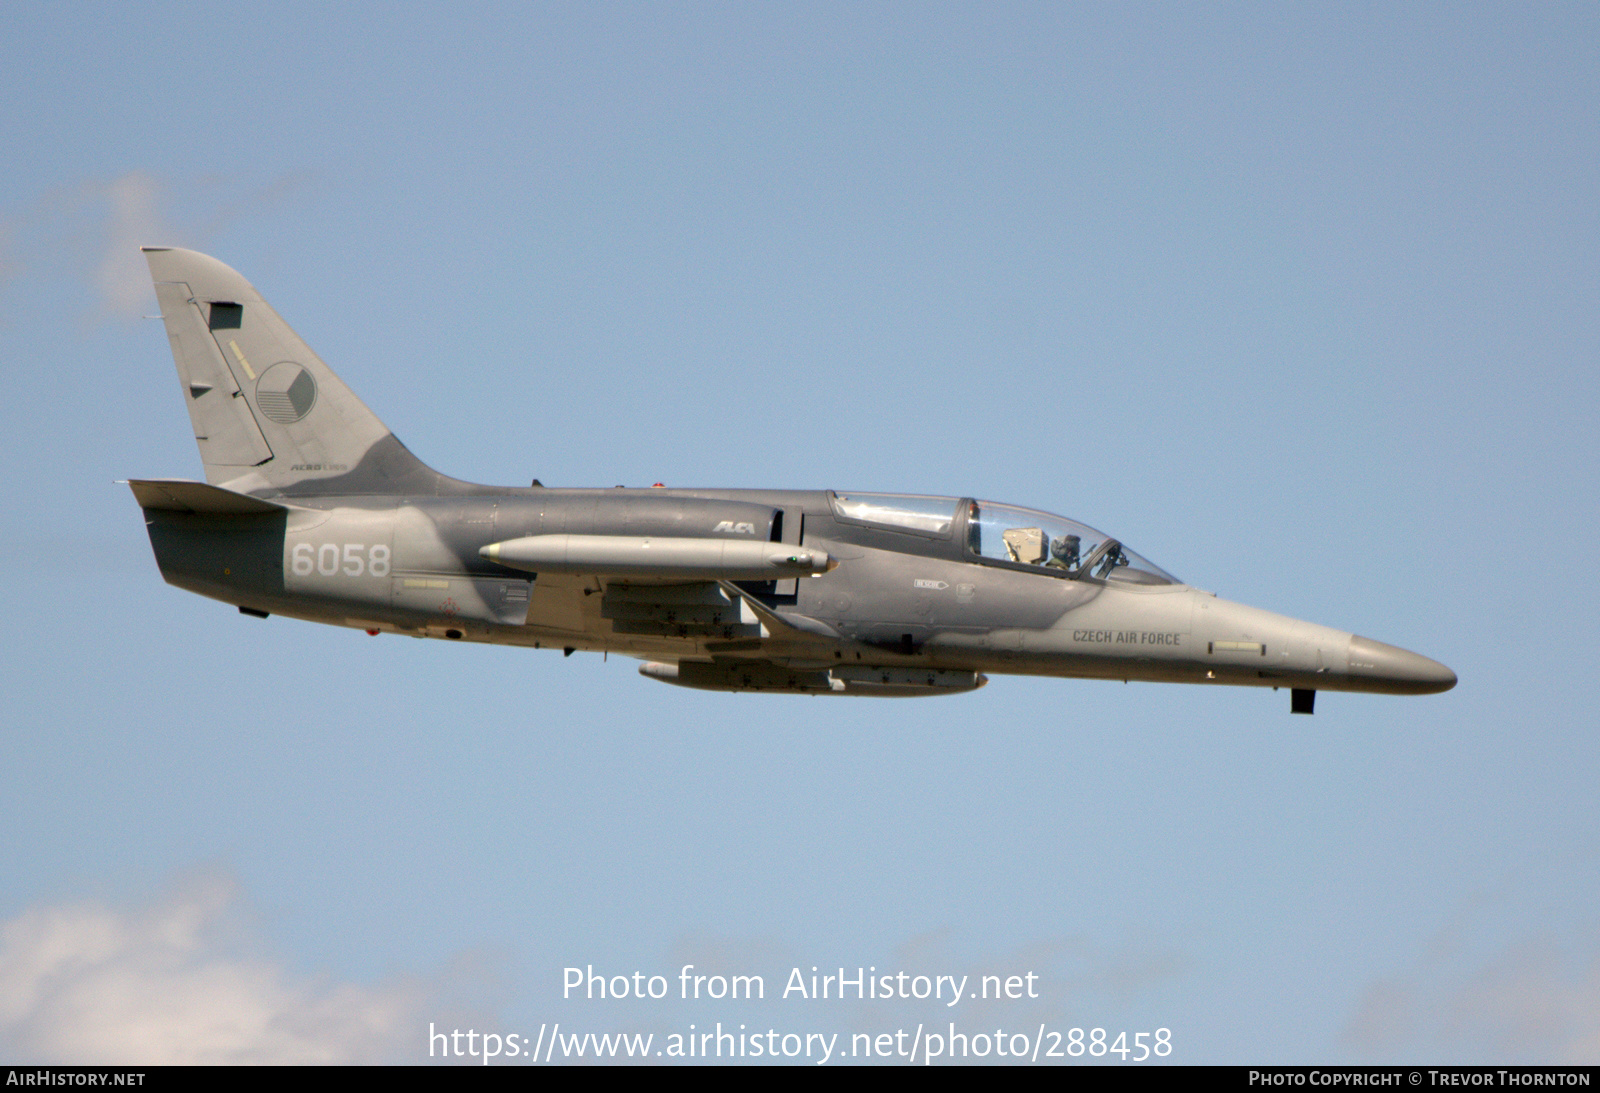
column 895, row 600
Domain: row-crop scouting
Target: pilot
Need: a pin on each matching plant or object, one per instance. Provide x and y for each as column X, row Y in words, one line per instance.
column 1064, row 552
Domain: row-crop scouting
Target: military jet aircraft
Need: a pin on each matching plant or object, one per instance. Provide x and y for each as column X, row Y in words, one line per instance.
column 313, row 510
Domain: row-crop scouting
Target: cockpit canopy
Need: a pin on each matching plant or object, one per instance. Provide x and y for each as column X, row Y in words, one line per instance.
column 1054, row 542
column 1006, row 533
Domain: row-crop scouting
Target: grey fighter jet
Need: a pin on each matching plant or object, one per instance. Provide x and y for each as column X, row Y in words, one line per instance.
column 312, row 509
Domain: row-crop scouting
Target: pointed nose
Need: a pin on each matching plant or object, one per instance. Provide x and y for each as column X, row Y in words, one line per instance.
column 1393, row 670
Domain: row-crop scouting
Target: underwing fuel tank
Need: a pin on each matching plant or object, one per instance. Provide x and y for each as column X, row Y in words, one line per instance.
column 858, row 679
column 659, row 557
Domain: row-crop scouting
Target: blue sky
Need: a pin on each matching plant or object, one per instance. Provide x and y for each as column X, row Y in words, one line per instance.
column 1300, row 302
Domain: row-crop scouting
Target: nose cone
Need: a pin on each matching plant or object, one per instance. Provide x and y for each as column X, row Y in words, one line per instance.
column 1389, row 669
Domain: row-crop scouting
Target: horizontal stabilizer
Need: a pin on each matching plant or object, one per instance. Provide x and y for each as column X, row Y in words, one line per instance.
column 179, row 495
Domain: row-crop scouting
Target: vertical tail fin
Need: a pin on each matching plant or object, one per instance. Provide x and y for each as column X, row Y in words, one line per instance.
column 268, row 415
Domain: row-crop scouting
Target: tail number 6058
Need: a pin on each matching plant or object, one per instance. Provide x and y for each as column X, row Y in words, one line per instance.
column 331, row 559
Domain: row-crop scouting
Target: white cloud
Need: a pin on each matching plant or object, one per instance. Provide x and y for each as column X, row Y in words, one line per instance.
column 134, row 221
column 1530, row 999
column 1533, row 1000
column 176, row 983
column 93, row 231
